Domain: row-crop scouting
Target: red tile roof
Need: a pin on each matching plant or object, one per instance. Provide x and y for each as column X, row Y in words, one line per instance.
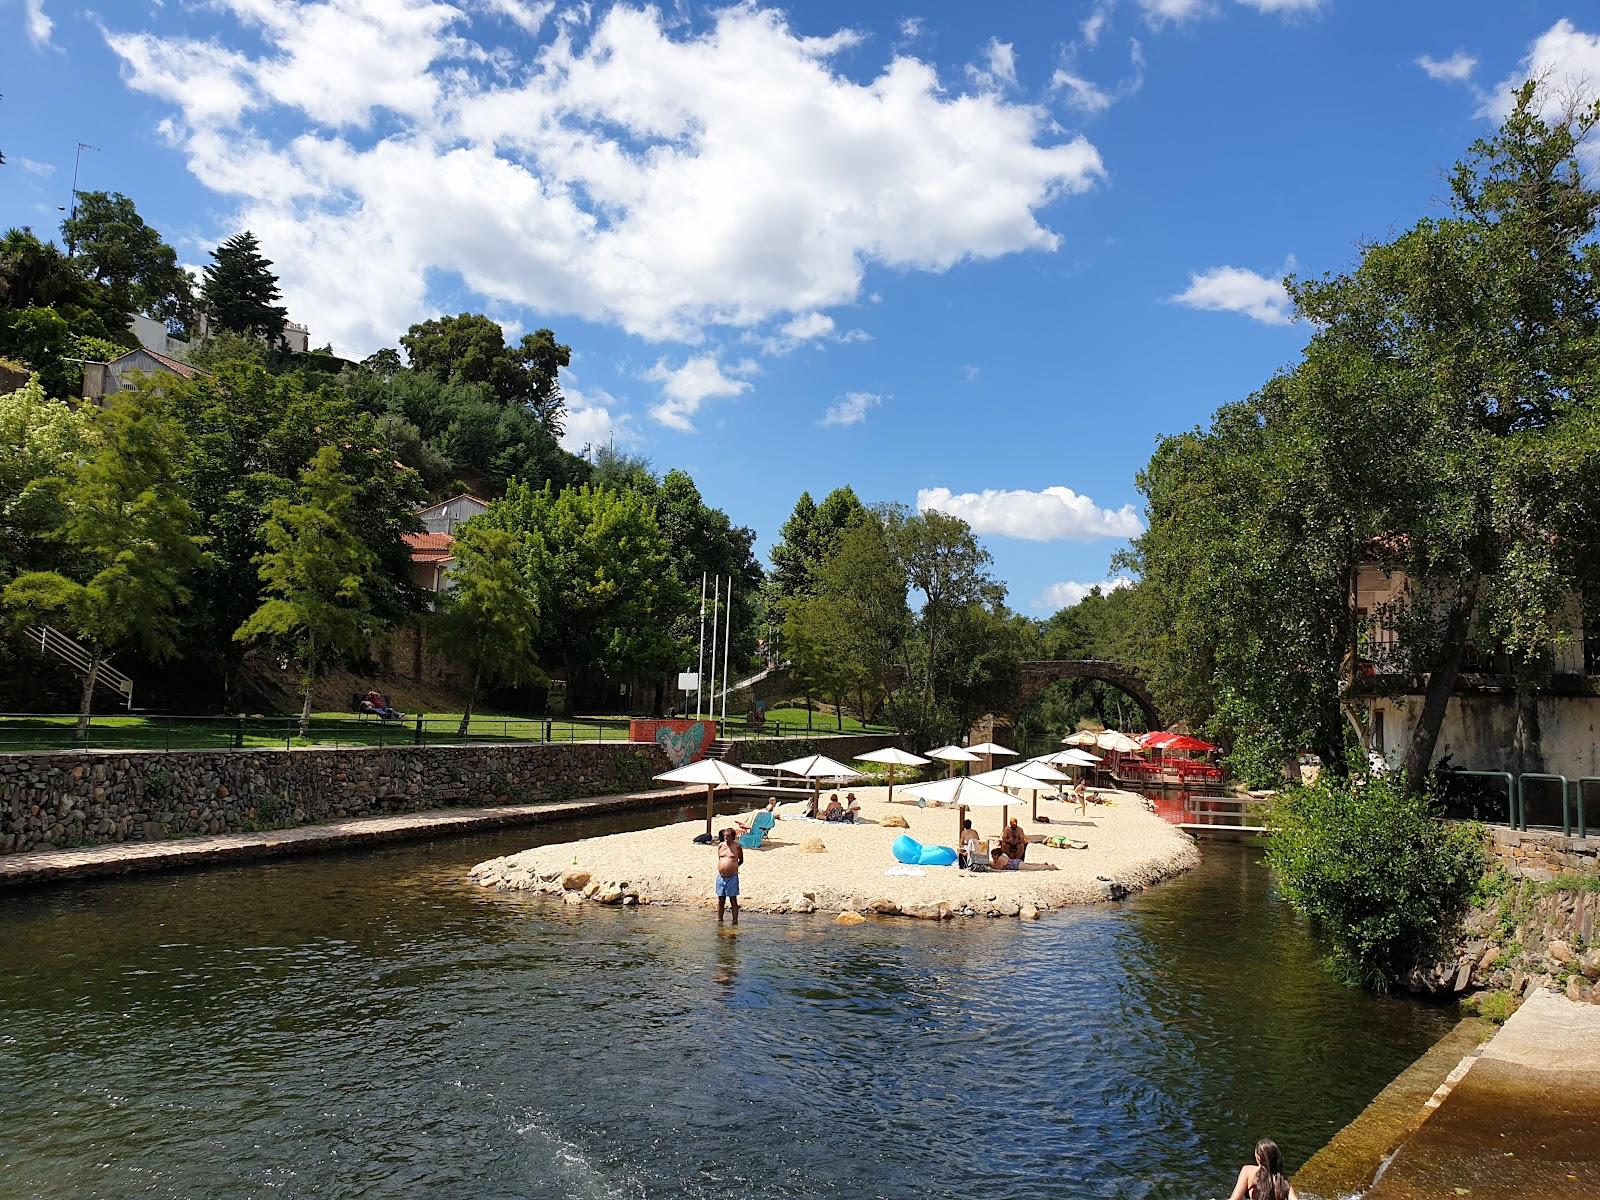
column 429, row 547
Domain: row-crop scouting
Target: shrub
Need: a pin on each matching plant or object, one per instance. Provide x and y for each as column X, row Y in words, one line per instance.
column 1496, row 1006
column 1382, row 879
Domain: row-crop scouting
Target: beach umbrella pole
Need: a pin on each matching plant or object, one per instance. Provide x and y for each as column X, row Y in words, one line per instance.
column 891, row 783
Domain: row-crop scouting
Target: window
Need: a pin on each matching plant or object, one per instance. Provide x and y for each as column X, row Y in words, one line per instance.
column 1377, row 730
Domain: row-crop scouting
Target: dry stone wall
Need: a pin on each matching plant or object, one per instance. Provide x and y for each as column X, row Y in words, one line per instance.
column 52, row 801
column 1542, row 854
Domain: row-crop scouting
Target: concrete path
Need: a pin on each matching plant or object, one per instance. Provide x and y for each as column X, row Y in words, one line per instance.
column 1523, row 1120
column 115, row 858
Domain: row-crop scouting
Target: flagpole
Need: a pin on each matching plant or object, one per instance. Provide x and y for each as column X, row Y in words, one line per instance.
column 700, row 671
column 727, row 652
column 716, row 603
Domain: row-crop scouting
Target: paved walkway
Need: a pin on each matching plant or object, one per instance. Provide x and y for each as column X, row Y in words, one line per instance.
column 1521, row 1121
column 115, row 858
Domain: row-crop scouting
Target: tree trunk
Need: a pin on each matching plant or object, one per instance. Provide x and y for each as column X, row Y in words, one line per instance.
column 838, row 711
column 305, row 709
column 86, row 700
column 1441, row 685
column 472, row 698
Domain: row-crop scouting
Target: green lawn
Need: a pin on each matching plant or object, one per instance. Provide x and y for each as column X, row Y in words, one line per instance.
column 25, row 733
column 793, row 720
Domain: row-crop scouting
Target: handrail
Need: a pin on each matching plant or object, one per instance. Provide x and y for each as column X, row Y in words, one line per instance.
column 1566, row 812
column 53, row 641
column 1577, row 785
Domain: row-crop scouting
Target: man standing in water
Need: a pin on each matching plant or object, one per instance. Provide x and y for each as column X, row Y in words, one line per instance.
column 730, row 857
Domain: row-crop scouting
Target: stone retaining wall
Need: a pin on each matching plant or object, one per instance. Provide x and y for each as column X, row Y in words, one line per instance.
column 77, row 799
column 1541, row 854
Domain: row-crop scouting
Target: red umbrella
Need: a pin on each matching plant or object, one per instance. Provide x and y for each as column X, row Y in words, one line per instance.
column 1183, row 742
column 1156, row 738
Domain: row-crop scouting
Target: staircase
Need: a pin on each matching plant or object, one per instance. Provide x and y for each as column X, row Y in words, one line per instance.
column 719, row 749
column 53, row 641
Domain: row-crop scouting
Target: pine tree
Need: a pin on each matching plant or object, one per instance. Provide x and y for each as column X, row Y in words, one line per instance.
column 240, row 292
column 318, row 575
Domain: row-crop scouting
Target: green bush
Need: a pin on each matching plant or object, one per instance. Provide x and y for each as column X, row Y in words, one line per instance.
column 1382, row 879
column 1496, row 1006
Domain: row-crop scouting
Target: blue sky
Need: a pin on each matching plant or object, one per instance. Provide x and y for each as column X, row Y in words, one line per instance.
column 977, row 256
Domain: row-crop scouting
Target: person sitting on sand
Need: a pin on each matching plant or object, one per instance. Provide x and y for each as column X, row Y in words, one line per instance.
column 969, row 841
column 747, row 826
column 835, row 810
column 1014, row 841
column 1264, row 1179
column 730, row 857
column 852, row 809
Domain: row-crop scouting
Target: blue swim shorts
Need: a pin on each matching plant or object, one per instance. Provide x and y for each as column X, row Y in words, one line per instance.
column 728, row 886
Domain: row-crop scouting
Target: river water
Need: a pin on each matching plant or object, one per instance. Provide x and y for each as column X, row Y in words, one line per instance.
column 371, row 1025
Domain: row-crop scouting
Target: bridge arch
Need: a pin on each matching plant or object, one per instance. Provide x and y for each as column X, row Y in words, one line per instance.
column 1034, row 675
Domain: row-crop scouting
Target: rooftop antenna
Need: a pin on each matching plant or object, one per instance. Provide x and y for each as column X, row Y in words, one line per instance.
column 76, row 162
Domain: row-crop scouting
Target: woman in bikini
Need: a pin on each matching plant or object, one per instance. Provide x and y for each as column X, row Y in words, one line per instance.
column 1264, row 1179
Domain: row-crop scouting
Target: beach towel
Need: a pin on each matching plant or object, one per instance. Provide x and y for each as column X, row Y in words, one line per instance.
column 905, row 871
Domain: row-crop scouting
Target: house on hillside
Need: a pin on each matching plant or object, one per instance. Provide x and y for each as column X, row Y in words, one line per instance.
column 431, row 560
column 432, row 555
column 108, row 378
column 1385, row 701
column 446, row 515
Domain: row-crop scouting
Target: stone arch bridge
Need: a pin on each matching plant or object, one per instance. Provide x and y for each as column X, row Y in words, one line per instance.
column 1035, row 675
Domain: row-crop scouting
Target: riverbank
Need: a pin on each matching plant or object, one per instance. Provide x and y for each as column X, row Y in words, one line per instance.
column 1519, row 1118
column 52, row 866
column 809, row 866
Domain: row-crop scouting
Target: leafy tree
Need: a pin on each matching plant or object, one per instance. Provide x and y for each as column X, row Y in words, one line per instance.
column 36, row 274
column 600, row 571
column 944, row 562
column 1384, row 881
column 250, row 434
column 116, row 249
column 41, row 338
column 488, row 621
column 1485, row 323
column 240, row 293
column 128, row 528
column 471, row 348
column 40, row 439
column 318, row 576
column 702, row 540
column 808, row 536
column 862, row 585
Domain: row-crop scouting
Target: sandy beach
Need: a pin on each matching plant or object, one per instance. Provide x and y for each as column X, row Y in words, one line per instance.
column 1127, row 848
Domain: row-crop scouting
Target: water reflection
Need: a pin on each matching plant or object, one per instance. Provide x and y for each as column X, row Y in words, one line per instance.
column 373, row 1026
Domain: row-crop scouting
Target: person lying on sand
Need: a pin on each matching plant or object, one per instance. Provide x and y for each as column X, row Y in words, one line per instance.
column 745, row 826
column 999, row 860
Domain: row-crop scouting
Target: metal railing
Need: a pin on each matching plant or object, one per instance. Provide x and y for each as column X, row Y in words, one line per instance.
column 1572, row 798
column 52, row 641
column 35, row 732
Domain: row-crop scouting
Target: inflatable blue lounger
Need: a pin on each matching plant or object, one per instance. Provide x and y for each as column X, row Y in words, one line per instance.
column 913, row 853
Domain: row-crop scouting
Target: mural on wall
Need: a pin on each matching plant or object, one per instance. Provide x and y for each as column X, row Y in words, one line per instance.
column 683, row 741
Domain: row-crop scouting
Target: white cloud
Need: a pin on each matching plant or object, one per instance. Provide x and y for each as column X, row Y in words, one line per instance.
column 999, row 69
column 969, row 374
column 1237, row 290
column 1064, row 595
column 1174, row 12
column 1455, row 69
column 1096, row 22
column 1565, row 60
column 850, row 408
column 911, row 28
column 627, row 173
column 41, row 169
column 594, row 418
column 686, row 387
column 40, row 25
column 1053, row 514
column 1081, row 94
column 528, row 15
column 1288, row 7
column 807, row 326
